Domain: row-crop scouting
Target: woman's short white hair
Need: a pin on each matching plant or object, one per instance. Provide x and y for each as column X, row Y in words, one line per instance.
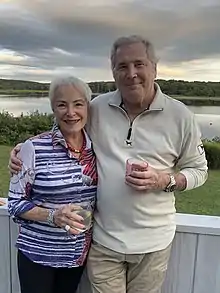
column 69, row 80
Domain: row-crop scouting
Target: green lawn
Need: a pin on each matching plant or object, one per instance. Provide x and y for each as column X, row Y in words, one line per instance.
column 4, row 174
column 203, row 200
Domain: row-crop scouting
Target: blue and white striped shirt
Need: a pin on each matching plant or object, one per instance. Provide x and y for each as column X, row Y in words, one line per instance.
column 51, row 176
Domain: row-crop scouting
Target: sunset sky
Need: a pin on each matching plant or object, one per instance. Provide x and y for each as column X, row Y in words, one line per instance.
column 39, row 39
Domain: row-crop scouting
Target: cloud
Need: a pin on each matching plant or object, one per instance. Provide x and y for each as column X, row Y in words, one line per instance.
column 209, row 69
column 62, row 35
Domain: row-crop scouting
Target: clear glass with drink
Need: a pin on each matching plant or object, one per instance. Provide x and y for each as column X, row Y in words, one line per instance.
column 135, row 164
column 85, row 211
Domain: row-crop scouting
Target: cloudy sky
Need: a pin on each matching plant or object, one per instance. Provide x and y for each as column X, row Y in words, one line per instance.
column 39, row 39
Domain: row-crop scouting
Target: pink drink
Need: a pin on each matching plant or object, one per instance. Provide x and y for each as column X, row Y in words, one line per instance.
column 132, row 165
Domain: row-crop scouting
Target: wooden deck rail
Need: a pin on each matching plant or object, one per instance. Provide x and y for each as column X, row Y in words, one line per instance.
column 194, row 264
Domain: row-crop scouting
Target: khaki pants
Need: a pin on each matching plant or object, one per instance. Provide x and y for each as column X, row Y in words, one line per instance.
column 112, row 272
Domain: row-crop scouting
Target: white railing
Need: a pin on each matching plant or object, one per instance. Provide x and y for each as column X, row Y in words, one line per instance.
column 194, row 264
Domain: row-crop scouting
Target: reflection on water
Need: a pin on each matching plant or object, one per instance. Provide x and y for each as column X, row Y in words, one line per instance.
column 212, row 110
column 208, row 116
column 209, row 125
column 16, row 106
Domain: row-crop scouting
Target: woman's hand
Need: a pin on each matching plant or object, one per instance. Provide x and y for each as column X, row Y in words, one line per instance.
column 66, row 216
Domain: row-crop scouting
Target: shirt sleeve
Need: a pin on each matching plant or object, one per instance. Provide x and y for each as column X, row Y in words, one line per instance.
column 192, row 161
column 20, row 188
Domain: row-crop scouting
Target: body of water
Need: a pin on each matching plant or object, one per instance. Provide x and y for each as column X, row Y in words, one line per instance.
column 208, row 116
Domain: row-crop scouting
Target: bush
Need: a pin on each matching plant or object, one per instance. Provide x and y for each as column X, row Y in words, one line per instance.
column 17, row 129
column 212, row 149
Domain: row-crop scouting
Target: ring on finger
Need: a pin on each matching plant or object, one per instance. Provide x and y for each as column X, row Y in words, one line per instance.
column 67, row 228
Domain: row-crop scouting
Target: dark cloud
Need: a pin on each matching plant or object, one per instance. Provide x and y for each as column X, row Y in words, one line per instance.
column 55, row 34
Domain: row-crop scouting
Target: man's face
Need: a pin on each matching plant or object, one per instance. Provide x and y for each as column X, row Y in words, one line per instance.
column 130, row 61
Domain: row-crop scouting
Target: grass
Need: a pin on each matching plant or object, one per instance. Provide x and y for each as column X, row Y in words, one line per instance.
column 4, row 174
column 203, row 200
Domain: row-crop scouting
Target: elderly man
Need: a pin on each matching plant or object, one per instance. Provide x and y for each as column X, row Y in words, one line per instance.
column 135, row 219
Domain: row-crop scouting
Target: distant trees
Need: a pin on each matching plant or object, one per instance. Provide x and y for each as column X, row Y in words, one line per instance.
column 190, row 89
column 170, row 87
column 102, row 86
column 11, row 84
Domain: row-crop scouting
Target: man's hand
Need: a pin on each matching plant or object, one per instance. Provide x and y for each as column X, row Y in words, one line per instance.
column 149, row 179
column 15, row 163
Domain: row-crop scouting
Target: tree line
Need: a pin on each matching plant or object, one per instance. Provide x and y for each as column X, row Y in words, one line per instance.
column 170, row 87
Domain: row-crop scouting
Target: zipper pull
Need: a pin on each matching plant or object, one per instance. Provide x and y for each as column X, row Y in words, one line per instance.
column 128, row 139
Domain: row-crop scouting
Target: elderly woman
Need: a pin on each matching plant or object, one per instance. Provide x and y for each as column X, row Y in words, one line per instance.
column 58, row 180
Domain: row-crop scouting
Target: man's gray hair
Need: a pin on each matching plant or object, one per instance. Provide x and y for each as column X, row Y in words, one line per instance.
column 132, row 40
column 69, row 80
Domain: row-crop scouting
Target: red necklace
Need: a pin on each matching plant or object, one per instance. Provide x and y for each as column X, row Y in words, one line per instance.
column 77, row 151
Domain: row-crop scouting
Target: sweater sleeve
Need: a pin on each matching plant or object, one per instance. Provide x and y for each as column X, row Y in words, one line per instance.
column 20, row 188
column 192, row 161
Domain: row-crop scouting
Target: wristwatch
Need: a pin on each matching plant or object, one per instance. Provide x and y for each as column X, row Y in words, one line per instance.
column 172, row 184
column 50, row 217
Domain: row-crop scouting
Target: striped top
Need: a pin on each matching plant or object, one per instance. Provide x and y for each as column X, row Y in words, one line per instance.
column 51, row 176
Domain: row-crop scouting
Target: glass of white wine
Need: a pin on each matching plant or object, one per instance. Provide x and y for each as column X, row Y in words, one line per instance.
column 85, row 212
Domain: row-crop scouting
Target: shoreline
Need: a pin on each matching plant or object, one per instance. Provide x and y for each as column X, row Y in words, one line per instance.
column 189, row 101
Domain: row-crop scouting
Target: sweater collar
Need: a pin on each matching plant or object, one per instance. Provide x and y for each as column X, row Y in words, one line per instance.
column 157, row 104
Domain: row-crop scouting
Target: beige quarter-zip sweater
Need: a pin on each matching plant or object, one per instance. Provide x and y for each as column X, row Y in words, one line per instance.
column 166, row 135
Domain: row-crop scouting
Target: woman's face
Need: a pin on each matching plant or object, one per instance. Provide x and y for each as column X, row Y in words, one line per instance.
column 70, row 108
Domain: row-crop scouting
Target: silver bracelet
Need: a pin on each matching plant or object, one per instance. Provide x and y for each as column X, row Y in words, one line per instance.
column 50, row 217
